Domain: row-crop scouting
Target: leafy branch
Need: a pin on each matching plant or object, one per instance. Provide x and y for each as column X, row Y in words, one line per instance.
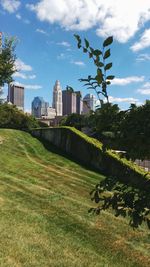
column 123, row 200
column 100, row 82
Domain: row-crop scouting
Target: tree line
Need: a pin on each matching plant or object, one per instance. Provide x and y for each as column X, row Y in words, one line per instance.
column 127, row 130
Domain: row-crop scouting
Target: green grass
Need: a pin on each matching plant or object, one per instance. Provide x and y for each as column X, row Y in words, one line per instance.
column 44, row 220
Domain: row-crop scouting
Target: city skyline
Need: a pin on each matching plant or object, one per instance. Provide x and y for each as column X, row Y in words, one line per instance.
column 47, row 50
column 64, row 102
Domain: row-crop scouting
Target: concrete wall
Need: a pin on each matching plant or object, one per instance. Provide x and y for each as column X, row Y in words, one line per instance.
column 89, row 151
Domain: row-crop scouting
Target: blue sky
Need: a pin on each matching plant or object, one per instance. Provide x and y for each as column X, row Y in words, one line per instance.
column 47, row 50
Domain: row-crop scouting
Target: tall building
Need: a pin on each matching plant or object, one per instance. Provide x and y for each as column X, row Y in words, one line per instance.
column 89, row 103
column 69, row 102
column 51, row 113
column 39, row 107
column 57, row 98
column 16, row 95
column 79, row 102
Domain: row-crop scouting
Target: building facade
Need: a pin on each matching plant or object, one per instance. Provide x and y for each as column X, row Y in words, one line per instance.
column 69, row 102
column 16, row 95
column 51, row 113
column 39, row 107
column 79, row 102
column 89, row 103
column 57, row 99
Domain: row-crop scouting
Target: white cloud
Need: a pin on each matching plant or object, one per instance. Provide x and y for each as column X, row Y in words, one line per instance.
column 122, row 100
column 127, row 80
column 21, row 66
column 63, row 56
column 29, row 86
column 41, row 31
column 10, row 5
column 63, row 43
column 146, row 85
column 145, row 90
column 32, row 86
column 143, row 42
column 78, row 63
column 30, row 7
column 122, row 19
column 143, row 57
column 24, row 76
column 18, row 16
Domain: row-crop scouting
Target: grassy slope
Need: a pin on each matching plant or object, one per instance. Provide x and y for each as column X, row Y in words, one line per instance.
column 44, row 199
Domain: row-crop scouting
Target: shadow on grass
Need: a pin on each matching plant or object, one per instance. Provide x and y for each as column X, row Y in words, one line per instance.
column 110, row 194
column 52, row 148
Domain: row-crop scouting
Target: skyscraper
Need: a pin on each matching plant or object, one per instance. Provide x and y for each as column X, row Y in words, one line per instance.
column 39, row 107
column 69, row 102
column 89, row 103
column 79, row 102
column 57, row 98
column 16, row 95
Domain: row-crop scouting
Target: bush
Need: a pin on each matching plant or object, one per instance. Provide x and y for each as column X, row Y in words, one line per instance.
column 11, row 117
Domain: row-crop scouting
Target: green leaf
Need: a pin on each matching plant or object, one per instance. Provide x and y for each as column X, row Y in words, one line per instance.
column 83, row 80
column 108, row 41
column 84, row 50
column 108, row 66
column 90, row 78
column 108, row 82
column 100, row 64
column 86, row 84
column 90, row 55
column 97, row 52
column 90, row 87
column 96, row 62
column 92, row 50
column 79, row 45
column 104, row 87
column 99, row 76
column 77, row 37
column 107, row 54
column 110, row 77
column 86, row 43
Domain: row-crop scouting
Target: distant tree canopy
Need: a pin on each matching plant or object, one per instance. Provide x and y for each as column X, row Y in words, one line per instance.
column 127, row 130
column 135, row 131
column 11, row 117
column 74, row 120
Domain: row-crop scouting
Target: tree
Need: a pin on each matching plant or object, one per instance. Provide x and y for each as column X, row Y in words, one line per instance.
column 74, row 120
column 11, row 117
column 100, row 82
column 135, row 131
column 7, row 61
column 106, row 118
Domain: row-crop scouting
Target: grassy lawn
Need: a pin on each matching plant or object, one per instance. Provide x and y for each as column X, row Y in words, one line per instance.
column 44, row 220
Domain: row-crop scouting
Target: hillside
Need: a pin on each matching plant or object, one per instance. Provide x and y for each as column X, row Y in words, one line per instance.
column 44, row 220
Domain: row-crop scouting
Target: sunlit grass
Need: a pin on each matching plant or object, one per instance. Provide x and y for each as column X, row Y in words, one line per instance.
column 44, row 220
